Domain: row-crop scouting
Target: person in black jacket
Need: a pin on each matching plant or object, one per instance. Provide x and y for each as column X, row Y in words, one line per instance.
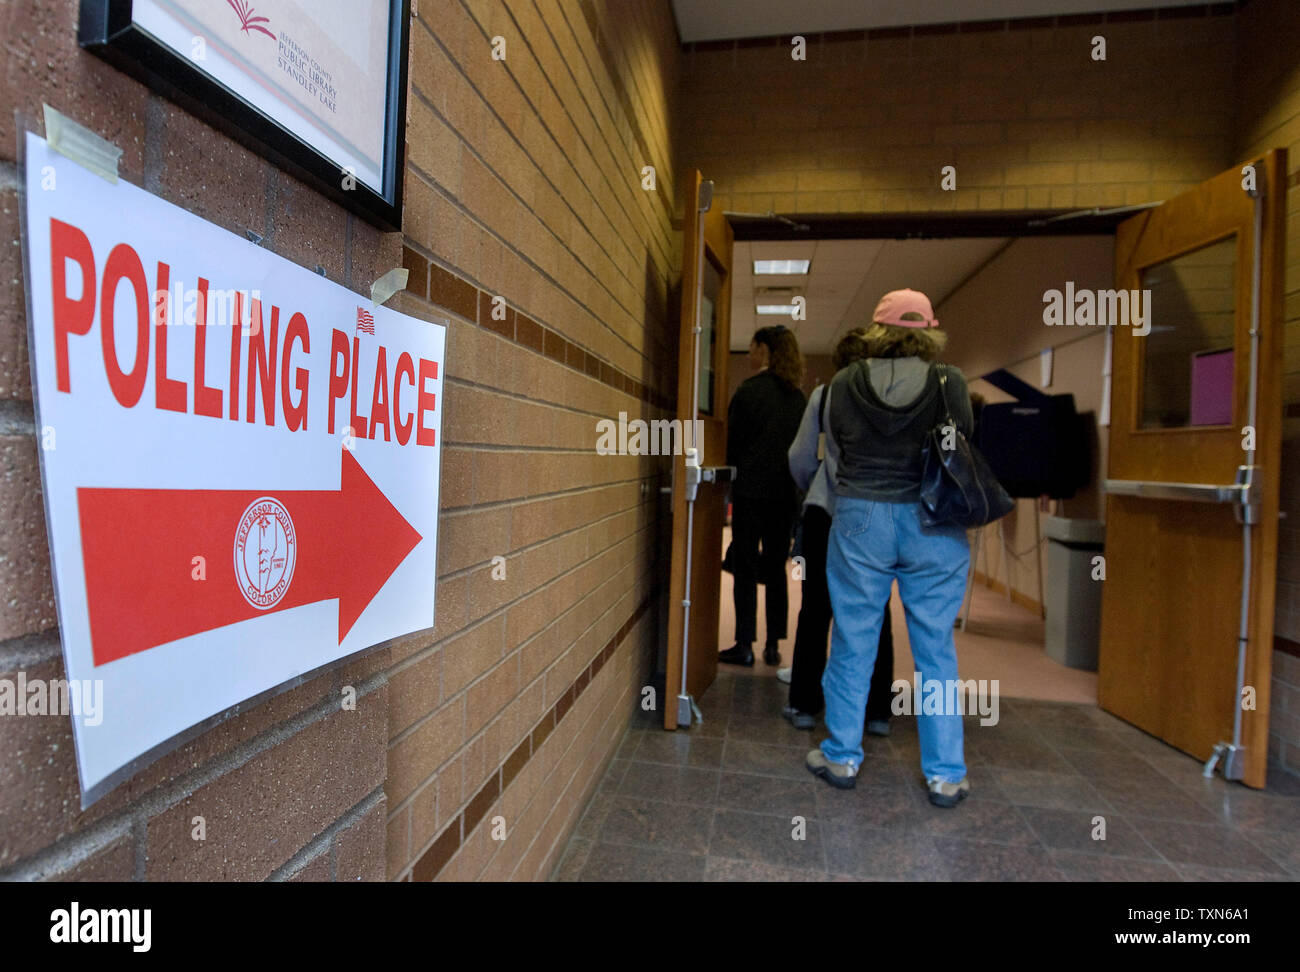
column 813, row 469
column 762, row 421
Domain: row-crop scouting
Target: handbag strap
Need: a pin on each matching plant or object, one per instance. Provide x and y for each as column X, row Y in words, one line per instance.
column 822, row 433
column 943, row 395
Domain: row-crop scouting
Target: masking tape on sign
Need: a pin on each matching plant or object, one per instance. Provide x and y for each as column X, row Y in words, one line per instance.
column 389, row 284
column 81, row 145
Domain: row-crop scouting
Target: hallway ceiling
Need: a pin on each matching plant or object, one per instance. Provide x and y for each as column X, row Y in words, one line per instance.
column 845, row 280
column 704, row 20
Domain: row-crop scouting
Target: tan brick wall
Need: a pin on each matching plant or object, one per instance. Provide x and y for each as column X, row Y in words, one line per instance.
column 1028, row 119
column 1268, row 79
column 524, row 183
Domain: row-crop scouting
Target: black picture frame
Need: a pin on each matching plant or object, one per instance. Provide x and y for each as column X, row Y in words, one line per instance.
column 107, row 29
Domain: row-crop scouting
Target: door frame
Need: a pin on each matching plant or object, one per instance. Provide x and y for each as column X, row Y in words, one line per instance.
column 708, row 512
column 747, row 227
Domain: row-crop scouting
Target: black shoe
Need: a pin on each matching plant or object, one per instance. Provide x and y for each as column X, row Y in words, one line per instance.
column 800, row 720
column 772, row 653
column 738, row 654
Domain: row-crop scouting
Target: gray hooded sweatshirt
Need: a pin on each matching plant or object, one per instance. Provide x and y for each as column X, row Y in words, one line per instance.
column 881, row 412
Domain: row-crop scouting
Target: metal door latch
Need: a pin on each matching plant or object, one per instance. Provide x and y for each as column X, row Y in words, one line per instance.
column 1247, row 506
column 696, row 474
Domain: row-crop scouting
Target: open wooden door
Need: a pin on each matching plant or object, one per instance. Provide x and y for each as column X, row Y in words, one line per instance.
column 706, row 303
column 1192, row 506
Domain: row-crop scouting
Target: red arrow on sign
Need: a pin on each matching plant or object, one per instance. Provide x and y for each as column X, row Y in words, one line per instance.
column 138, row 547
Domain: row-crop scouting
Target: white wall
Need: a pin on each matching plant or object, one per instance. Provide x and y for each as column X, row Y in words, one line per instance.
column 995, row 320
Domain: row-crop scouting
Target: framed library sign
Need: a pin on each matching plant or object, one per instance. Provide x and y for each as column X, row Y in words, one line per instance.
column 318, row 87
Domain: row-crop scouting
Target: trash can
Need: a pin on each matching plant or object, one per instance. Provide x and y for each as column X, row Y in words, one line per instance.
column 1073, row 597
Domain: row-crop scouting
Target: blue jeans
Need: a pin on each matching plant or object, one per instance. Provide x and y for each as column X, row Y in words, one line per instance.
column 873, row 543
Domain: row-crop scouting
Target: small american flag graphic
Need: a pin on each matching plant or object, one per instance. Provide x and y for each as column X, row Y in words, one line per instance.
column 365, row 321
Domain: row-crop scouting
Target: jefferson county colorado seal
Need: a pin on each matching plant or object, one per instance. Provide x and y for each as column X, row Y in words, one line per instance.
column 266, row 549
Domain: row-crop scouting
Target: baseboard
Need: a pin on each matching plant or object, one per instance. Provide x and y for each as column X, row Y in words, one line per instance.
column 1016, row 597
column 1275, row 765
column 1286, row 646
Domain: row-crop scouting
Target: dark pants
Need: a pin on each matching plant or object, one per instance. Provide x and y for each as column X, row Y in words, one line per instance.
column 756, row 522
column 815, row 625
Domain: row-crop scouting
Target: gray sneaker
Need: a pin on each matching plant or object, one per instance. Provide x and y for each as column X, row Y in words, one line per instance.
column 944, row 794
column 800, row 720
column 878, row 727
column 842, row 776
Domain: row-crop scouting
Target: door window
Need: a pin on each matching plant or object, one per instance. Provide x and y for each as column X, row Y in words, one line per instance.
column 708, row 325
column 1188, row 357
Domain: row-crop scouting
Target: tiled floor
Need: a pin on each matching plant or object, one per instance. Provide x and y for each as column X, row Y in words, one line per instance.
column 1002, row 641
column 719, row 802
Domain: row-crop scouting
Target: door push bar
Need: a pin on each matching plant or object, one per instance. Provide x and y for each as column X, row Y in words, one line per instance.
column 1244, row 494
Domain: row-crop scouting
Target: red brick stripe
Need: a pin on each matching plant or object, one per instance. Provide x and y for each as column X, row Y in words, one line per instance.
column 430, row 282
column 433, row 860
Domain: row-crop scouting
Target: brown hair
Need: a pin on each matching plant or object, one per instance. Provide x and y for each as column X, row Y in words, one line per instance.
column 785, row 361
column 891, row 341
column 852, row 347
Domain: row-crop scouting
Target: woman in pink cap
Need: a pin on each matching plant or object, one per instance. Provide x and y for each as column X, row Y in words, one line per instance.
column 880, row 412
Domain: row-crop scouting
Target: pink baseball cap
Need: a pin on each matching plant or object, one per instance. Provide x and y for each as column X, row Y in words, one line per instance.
column 905, row 308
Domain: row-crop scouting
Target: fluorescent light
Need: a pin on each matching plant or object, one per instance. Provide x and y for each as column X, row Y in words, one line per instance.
column 784, row 310
column 781, row 267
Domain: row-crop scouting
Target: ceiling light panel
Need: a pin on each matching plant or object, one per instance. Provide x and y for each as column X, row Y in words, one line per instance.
column 781, row 267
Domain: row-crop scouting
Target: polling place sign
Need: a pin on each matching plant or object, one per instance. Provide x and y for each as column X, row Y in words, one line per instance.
column 240, row 461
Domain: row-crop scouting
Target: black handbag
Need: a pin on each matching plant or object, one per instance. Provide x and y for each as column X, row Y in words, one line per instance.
column 957, row 485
